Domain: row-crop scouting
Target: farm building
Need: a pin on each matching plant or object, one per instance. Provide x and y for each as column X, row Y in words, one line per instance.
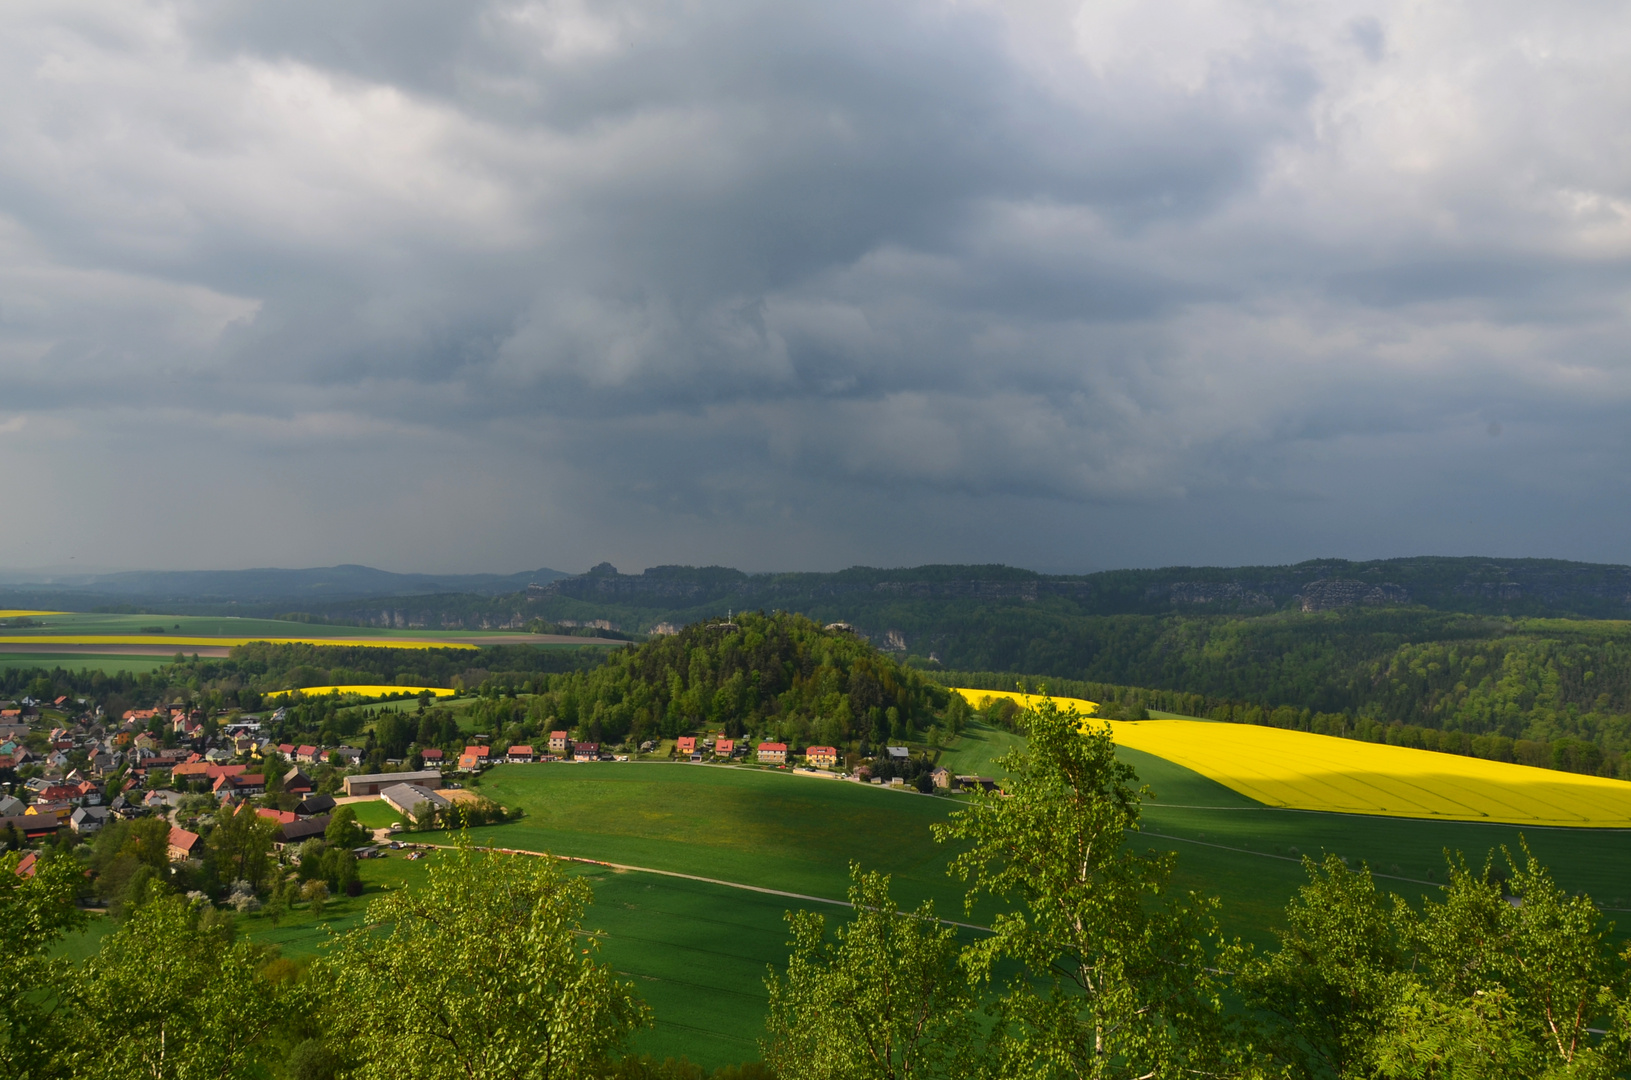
column 374, row 783
column 300, row 830
column 405, row 799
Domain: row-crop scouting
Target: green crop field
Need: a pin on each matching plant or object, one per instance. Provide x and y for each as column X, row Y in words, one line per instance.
column 974, row 751
column 79, row 661
column 1248, row 854
column 769, row 828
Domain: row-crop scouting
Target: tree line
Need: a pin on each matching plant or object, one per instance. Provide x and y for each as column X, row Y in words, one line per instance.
column 1548, row 693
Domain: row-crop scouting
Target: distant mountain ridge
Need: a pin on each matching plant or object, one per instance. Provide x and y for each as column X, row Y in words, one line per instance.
column 874, row 599
column 1471, row 585
column 272, row 584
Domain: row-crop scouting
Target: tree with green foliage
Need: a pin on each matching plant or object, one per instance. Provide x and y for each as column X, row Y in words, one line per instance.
column 35, row 910
column 1502, row 976
column 241, row 843
column 485, row 973
column 1114, row 978
column 886, row 1002
column 171, row 994
column 343, row 830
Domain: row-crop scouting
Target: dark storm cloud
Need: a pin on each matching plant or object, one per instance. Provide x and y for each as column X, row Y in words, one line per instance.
column 489, row 285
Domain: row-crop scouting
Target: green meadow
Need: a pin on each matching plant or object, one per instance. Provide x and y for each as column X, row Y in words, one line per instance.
column 770, row 828
column 157, row 626
column 79, row 661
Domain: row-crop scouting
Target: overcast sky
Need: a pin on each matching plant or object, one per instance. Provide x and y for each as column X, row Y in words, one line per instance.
column 460, row 286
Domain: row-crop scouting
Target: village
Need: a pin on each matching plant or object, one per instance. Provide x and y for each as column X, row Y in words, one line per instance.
column 67, row 771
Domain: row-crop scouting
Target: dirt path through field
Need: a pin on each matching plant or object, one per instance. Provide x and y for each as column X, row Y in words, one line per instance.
column 693, row 877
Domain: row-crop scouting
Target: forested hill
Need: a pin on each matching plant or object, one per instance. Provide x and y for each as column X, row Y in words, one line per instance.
column 779, row 674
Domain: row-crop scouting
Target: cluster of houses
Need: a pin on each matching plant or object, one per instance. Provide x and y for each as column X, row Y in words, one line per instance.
column 70, row 783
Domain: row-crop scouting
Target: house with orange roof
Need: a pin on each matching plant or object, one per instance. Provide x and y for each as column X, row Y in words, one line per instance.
column 185, row 845
column 772, row 753
column 822, row 756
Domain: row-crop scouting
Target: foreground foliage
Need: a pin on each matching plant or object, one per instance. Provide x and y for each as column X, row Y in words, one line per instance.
column 887, row 1000
column 484, row 973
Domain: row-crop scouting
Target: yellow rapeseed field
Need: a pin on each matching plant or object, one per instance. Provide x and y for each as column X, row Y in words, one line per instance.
column 8, row 613
column 1302, row 771
column 182, row 643
column 365, row 691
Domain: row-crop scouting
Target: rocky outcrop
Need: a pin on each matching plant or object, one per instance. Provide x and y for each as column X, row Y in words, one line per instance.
column 1229, row 594
column 1327, row 594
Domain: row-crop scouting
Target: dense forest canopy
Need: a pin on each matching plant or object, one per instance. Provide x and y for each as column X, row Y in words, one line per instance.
column 780, row 674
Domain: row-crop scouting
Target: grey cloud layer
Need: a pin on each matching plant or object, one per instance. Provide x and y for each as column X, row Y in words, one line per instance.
column 467, row 286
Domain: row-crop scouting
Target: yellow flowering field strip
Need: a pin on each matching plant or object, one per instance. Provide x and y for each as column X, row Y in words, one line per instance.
column 1025, row 701
column 365, row 691
column 1303, row 771
column 8, row 613
column 181, row 642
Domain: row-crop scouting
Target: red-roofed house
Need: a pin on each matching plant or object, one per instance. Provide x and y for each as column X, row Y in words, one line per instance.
column 685, row 744
column 184, row 844
column 559, row 742
column 475, row 756
column 773, row 753
column 286, row 749
column 519, row 754
column 307, row 755
column 282, row 817
column 68, row 793
column 432, row 758
column 821, row 755
column 725, row 747
column 25, row 867
column 232, row 786
column 586, row 751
